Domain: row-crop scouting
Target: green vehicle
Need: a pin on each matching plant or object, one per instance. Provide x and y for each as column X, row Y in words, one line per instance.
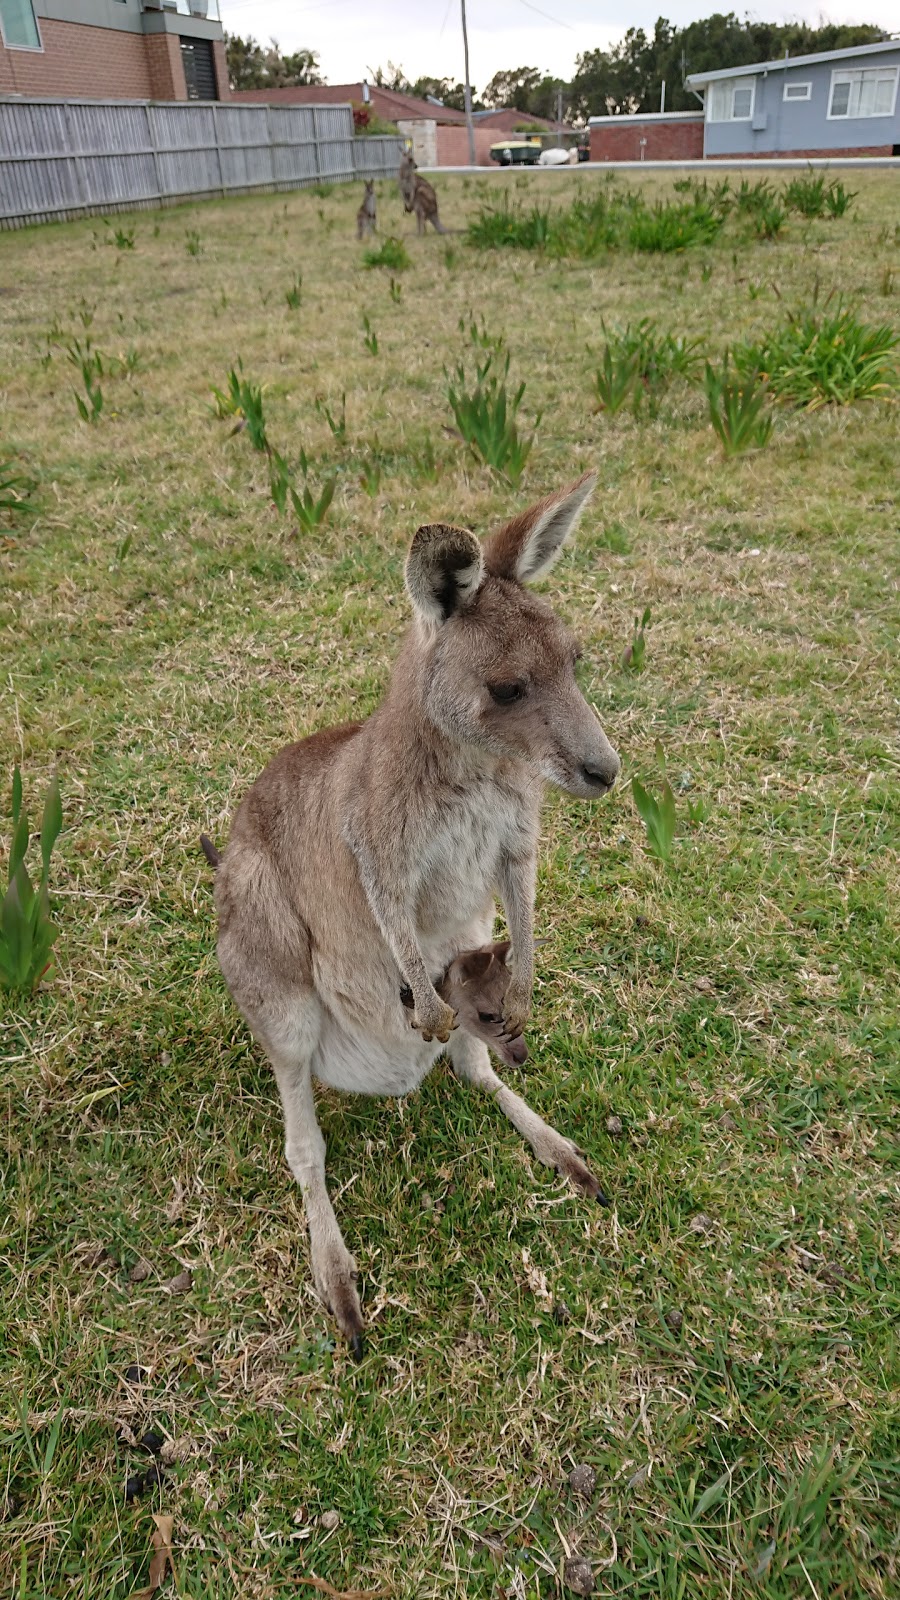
column 516, row 152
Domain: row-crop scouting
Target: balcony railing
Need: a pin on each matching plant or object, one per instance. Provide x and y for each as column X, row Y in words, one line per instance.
column 209, row 9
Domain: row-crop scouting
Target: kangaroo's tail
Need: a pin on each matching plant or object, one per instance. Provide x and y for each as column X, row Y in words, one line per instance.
column 209, row 850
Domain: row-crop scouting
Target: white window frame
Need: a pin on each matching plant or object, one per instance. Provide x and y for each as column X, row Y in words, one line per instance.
column 34, row 50
column 849, row 75
column 733, row 84
column 797, row 99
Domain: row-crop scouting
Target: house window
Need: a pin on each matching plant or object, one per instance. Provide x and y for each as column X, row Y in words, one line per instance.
column 18, row 25
column 868, row 93
column 798, row 91
column 730, row 101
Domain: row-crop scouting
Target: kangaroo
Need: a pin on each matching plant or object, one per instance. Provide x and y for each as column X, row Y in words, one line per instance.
column 365, row 216
column 366, row 857
column 418, row 195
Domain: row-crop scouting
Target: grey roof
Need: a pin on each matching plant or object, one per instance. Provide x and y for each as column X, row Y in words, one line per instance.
column 697, row 80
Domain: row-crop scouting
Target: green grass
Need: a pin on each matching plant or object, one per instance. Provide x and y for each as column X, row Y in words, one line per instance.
column 721, row 1345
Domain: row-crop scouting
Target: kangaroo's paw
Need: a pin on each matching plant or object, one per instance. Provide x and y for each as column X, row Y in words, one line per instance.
column 578, row 1172
column 556, row 1151
column 334, row 1274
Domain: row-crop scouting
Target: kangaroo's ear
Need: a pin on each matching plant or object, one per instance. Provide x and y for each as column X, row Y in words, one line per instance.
column 528, row 545
column 444, row 571
column 501, row 949
column 476, row 964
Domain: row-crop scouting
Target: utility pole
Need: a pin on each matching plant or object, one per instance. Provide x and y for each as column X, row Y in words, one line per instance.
column 559, row 116
column 470, row 126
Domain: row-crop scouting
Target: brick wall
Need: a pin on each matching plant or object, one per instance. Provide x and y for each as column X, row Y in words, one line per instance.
column 678, row 140
column 165, row 66
column 453, row 145
column 221, row 65
column 80, row 62
column 98, row 63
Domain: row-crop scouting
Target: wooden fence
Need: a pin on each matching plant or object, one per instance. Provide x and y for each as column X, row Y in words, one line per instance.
column 71, row 158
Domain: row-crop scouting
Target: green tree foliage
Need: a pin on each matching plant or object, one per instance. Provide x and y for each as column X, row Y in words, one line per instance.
column 512, row 89
column 527, row 91
column 629, row 76
column 250, row 66
column 444, row 89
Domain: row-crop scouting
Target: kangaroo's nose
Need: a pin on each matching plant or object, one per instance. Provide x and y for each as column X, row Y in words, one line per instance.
column 601, row 775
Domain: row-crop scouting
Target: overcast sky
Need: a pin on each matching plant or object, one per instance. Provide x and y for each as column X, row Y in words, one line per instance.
column 352, row 37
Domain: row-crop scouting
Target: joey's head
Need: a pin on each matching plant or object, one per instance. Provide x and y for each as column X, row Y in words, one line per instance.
column 497, row 665
column 475, row 985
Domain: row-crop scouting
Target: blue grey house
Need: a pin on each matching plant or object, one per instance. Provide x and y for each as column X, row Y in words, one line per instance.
column 841, row 102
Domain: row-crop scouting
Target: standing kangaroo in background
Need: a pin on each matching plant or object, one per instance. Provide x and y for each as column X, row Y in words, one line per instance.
column 365, row 216
column 366, row 858
column 418, row 195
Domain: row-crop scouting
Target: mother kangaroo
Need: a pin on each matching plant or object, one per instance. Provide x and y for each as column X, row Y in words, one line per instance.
column 368, row 856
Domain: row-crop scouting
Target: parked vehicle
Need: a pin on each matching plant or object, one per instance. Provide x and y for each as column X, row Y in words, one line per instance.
column 516, row 152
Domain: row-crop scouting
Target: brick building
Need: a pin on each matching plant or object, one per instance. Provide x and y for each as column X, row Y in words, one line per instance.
column 437, row 133
column 648, row 136
column 113, row 49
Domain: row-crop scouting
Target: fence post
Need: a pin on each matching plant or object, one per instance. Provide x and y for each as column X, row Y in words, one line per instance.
column 218, row 147
column 316, row 161
column 154, row 150
column 76, row 155
column 270, row 135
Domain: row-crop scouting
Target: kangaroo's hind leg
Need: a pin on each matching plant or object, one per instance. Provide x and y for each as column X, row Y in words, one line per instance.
column 470, row 1061
column 289, row 1040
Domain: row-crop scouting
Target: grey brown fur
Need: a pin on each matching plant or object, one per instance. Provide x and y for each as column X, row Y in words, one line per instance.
column 418, row 195
column 365, row 216
column 368, row 856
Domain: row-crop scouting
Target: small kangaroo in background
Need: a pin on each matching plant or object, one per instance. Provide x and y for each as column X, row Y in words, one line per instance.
column 418, row 195
column 365, row 216
column 366, row 858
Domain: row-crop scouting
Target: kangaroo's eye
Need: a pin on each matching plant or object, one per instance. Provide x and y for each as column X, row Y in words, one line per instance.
column 506, row 694
column 487, row 1016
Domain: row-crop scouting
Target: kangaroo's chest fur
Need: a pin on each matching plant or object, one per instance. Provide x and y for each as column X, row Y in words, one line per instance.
column 456, row 872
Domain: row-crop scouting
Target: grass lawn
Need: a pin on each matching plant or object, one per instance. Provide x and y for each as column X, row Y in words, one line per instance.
column 720, row 1347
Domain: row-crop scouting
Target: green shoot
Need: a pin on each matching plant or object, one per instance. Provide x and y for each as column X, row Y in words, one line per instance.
column 370, row 337
column 27, row 931
column 336, row 424
column 658, row 817
column 636, row 649
column 486, row 418
column 737, row 410
column 392, row 254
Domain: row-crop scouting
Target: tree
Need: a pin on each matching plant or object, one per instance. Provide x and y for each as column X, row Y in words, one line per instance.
column 511, row 89
column 302, row 67
column 444, row 89
column 246, row 62
column 392, row 77
column 252, row 67
column 629, row 77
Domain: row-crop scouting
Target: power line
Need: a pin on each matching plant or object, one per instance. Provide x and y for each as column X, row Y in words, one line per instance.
column 558, row 20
